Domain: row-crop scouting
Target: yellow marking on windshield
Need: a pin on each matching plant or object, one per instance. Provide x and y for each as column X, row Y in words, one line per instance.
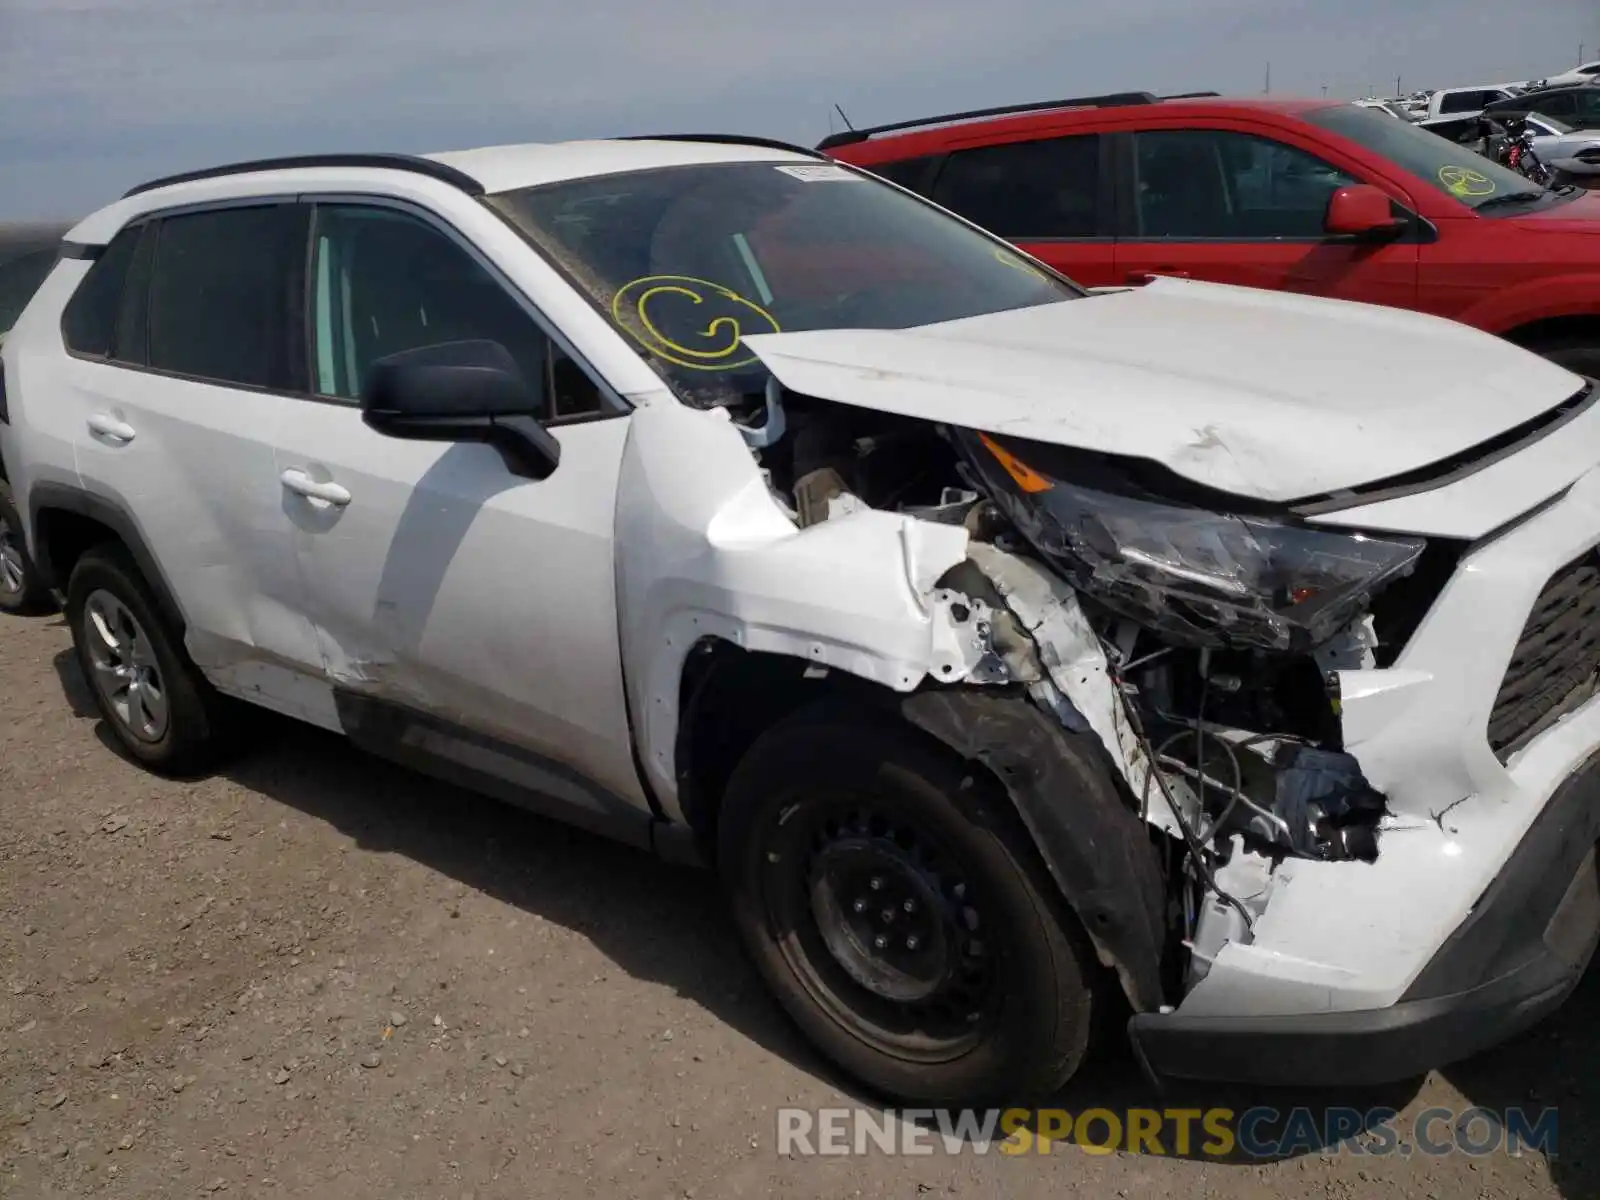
column 1006, row 258
column 723, row 334
column 1466, row 183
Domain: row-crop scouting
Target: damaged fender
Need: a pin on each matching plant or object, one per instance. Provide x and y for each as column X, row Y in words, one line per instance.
column 704, row 550
column 1097, row 850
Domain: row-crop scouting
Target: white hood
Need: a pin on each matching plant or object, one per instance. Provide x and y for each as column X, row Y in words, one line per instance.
column 1261, row 394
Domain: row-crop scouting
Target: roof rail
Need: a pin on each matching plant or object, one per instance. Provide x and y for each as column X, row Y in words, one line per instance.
column 388, row 162
column 1113, row 100
column 1192, row 96
column 724, row 139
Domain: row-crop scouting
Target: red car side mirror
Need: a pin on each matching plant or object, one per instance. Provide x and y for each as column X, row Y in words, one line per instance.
column 1361, row 210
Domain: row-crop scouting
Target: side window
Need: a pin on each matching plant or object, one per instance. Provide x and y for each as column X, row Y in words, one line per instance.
column 224, row 295
column 1587, row 104
column 1216, row 184
column 1026, row 191
column 909, row 173
column 1558, row 106
column 90, row 317
column 1456, row 102
column 384, row 281
column 129, row 342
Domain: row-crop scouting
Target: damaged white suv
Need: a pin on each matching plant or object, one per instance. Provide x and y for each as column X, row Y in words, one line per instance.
column 1019, row 656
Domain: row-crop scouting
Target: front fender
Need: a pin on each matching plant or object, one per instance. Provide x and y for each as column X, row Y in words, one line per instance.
column 704, row 550
column 1503, row 310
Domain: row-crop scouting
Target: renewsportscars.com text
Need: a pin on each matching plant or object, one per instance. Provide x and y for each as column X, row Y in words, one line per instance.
column 1221, row 1133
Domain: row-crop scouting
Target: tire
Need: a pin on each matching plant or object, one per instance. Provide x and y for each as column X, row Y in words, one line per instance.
column 20, row 590
column 142, row 672
column 829, row 801
column 1577, row 354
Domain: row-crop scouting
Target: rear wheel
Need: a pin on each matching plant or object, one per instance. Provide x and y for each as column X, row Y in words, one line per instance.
column 20, row 589
column 891, row 900
column 153, row 698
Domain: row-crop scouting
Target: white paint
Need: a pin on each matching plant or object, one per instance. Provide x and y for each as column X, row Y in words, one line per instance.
column 1348, row 936
column 551, row 612
column 1263, row 394
column 705, row 551
column 1071, row 654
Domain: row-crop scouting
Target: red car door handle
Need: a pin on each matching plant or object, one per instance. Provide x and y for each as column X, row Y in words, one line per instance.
column 1161, row 272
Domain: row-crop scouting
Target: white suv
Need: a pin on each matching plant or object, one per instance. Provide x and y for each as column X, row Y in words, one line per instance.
column 1017, row 655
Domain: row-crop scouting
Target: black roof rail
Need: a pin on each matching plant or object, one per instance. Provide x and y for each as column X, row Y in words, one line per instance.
column 414, row 163
column 1112, row 100
column 725, row 139
column 1192, row 96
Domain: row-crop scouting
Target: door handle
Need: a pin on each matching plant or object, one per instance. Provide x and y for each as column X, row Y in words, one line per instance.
column 110, row 427
column 303, row 485
column 1152, row 276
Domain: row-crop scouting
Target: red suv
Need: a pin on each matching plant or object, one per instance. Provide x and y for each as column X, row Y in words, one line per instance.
column 1319, row 197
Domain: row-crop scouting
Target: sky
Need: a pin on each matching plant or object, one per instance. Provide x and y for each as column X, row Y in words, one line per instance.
column 97, row 95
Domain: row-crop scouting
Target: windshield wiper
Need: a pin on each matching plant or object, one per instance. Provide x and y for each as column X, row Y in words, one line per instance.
column 1511, row 198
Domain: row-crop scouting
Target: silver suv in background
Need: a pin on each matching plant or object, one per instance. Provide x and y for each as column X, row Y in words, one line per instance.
column 27, row 252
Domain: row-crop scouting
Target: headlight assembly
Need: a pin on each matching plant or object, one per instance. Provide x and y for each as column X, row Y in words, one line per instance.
column 1198, row 577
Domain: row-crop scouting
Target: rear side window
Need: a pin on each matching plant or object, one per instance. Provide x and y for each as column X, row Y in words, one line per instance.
column 1026, row 191
column 909, row 173
column 1553, row 104
column 225, row 293
column 90, row 317
column 1459, row 102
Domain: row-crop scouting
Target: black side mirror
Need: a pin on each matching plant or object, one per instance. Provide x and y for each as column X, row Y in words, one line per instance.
column 470, row 391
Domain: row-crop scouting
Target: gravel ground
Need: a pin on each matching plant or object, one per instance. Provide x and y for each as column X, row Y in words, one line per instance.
column 316, row 975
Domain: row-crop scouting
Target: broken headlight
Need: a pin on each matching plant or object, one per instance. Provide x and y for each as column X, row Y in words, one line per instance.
column 1195, row 576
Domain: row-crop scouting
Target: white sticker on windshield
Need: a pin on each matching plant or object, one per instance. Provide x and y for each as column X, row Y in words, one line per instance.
column 822, row 173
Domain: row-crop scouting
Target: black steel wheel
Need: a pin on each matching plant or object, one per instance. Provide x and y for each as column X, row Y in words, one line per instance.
column 894, row 904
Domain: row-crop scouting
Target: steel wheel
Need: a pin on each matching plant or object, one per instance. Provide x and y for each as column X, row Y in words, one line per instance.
column 884, row 928
column 13, row 568
column 125, row 671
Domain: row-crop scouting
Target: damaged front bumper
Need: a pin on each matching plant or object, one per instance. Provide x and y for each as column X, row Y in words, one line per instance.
column 1482, row 909
column 1514, row 961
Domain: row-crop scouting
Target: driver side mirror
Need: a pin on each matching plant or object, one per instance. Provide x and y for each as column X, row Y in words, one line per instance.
column 1362, row 211
column 472, row 391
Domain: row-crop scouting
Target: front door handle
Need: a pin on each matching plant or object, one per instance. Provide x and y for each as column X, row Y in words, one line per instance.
column 1152, row 276
column 111, row 428
column 303, row 485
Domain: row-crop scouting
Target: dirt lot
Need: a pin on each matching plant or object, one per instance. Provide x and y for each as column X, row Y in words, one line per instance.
column 315, row 975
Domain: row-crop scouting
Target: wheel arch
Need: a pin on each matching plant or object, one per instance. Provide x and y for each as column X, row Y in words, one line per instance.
column 67, row 522
column 1563, row 329
column 1098, row 852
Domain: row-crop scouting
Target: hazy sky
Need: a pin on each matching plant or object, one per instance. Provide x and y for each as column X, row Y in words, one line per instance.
column 96, row 95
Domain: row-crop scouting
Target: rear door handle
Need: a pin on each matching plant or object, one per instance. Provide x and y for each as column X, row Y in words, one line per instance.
column 1152, row 276
column 110, row 427
column 303, row 485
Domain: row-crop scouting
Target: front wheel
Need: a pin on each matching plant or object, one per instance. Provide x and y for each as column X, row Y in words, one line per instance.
column 895, row 906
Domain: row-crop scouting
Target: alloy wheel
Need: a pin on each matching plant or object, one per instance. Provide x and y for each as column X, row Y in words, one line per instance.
column 124, row 668
column 13, row 571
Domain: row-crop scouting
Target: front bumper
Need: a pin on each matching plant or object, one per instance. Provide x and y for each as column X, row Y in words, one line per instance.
column 1358, row 971
column 1515, row 960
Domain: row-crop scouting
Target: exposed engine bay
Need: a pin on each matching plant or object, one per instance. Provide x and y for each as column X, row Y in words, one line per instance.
column 1197, row 634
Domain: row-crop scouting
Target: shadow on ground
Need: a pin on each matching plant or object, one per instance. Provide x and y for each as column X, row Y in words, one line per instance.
column 668, row 925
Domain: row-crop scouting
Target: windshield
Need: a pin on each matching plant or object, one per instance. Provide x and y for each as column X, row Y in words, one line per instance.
column 686, row 261
column 1451, row 168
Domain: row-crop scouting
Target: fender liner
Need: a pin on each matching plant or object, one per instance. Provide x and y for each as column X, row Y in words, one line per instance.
column 1098, row 851
column 45, row 497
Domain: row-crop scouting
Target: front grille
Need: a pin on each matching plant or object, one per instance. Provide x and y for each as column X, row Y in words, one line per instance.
column 1556, row 665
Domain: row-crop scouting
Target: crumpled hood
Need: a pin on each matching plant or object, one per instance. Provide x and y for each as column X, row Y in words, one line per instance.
column 1262, row 394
